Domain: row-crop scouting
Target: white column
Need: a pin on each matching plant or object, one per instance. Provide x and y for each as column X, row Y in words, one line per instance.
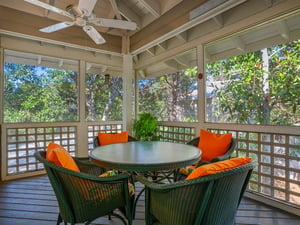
column 128, row 76
column 201, row 89
column 82, row 133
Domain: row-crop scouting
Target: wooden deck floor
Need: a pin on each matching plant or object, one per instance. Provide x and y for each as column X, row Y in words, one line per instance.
column 32, row 201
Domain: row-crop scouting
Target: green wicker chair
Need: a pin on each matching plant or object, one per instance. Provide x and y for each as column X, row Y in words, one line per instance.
column 83, row 197
column 227, row 155
column 207, row 200
column 180, row 176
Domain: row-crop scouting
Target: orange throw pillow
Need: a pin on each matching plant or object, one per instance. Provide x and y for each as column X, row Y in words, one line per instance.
column 213, row 145
column 58, row 155
column 218, row 167
column 106, row 139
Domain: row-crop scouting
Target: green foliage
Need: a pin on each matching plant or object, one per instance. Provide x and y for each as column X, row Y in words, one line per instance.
column 146, row 127
column 39, row 94
column 248, row 90
column 103, row 102
column 170, row 97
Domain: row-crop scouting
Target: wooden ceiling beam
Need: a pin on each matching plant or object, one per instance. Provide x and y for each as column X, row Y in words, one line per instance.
column 151, row 51
column 115, row 9
column 219, row 20
column 129, row 14
column 268, row 3
column 142, row 73
column 175, row 21
column 181, row 62
column 171, row 63
column 163, row 45
column 168, row 22
column 152, row 6
column 183, row 37
column 240, row 45
column 284, row 30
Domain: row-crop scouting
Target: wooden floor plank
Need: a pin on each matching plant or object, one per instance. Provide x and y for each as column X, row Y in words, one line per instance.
column 26, row 207
column 32, row 201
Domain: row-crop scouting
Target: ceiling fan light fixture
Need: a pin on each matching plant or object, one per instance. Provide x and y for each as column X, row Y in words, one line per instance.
column 81, row 14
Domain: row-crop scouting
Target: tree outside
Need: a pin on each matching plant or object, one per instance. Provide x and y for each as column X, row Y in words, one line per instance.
column 104, row 101
column 39, row 94
column 170, row 97
column 261, row 87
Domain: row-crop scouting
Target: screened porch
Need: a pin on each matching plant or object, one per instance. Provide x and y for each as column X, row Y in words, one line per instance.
column 223, row 66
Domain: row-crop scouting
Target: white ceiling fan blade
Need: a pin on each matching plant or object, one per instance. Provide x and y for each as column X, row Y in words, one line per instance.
column 113, row 23
column 94, row 34
column 50, row 7
column 57, row 26
column 87, row 6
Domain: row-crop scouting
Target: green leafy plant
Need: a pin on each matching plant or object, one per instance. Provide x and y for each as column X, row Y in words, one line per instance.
column 146, row 127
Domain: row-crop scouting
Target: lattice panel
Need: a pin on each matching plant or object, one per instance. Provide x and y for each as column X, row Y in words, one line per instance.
column 23, row 142
column 278, row 173
column 107, row 128
column 176, row 134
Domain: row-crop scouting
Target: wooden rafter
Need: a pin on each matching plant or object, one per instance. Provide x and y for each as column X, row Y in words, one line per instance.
column 152, row 6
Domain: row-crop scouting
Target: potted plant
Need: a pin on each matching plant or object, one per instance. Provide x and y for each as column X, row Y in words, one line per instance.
column 146, row 127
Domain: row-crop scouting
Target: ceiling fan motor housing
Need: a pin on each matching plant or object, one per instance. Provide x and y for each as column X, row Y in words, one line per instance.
column 73, row 10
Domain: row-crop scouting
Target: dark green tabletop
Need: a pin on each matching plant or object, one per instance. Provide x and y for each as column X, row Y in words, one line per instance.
column 143, row 156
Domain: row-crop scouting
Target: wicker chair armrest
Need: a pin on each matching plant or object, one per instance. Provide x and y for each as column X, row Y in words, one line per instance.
column 203, row 179
column 163, row 187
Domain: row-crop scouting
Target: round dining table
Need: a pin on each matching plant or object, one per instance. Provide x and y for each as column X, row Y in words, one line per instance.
column 145, row 156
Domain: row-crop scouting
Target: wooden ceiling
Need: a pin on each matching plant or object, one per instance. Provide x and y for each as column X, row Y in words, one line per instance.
column 21, row 17
column 154, row 18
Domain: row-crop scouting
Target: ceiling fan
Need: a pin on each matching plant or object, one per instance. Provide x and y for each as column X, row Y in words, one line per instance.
column 82, row 15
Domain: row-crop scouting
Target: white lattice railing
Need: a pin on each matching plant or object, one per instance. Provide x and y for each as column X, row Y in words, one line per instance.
column 21, row 143
column 278, row 155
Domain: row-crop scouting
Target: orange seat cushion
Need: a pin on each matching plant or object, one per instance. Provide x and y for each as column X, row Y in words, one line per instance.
column 60, row 156
column 218, row 167
column 106, row 139
column 213, row 145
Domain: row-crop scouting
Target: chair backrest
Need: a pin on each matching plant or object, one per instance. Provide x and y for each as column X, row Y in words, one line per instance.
column 208, row 200
column 227, row 155
column 226, row 195
column 82, row 197
column 96, row 140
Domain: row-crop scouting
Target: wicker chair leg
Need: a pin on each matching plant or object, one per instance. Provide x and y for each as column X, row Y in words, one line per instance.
column 120, row 217
column 59, row 220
